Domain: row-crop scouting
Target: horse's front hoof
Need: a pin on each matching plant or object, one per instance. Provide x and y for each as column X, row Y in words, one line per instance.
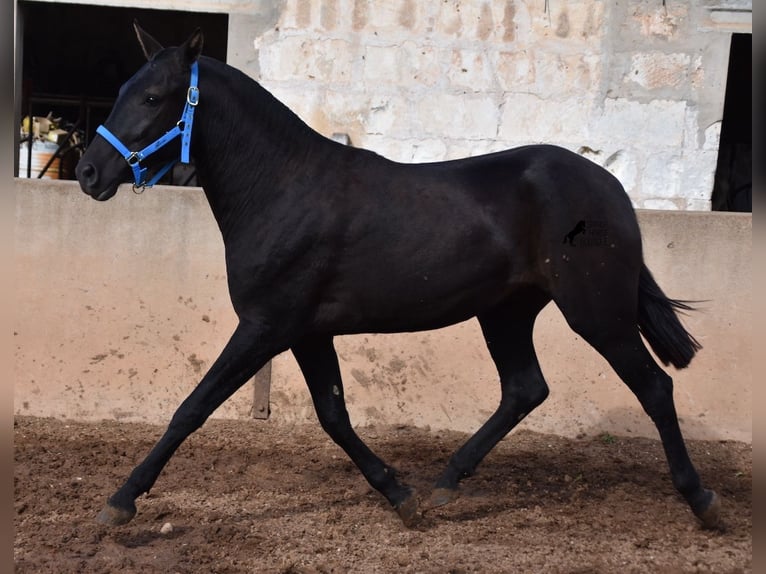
column 113, row 516
column 408, row 511
column 441, row 496
column 710, row 512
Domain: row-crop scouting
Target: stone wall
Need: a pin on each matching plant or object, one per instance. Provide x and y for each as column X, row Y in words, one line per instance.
column 636, row 85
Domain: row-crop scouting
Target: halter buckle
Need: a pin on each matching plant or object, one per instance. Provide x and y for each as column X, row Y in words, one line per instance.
column 192, row 96
column 133, row 158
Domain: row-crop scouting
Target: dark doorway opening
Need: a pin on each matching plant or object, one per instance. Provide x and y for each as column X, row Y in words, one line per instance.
column 733, row 188
column 74, row 60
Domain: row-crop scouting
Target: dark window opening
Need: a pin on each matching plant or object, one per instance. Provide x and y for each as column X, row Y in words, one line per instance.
column 75, row 58
column 733, row 188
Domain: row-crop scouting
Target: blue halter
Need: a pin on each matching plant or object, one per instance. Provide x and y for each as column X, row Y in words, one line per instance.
column 183, row 128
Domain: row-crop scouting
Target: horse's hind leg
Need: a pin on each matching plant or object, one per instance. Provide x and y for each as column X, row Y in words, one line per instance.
column 319, row 364
column 507, row 330
column 608, row 323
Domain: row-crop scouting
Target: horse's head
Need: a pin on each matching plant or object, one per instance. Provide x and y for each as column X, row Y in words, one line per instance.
column 148, row 105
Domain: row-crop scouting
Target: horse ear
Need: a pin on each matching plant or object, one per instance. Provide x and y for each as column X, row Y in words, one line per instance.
column 149, row 45
column 192, row 48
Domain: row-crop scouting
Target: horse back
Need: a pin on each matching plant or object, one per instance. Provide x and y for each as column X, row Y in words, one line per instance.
column 419, row 246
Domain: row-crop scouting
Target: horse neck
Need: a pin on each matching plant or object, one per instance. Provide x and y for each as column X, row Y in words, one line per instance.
column 247, row 145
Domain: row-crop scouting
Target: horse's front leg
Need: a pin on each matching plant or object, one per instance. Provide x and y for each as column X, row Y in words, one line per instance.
column 319, row 364
column 241, row 358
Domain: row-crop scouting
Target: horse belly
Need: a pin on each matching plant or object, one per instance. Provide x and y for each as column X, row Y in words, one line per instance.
column 416, row 293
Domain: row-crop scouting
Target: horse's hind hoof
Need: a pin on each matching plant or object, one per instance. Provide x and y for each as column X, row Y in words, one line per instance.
column 710, row 515
column 441, row 496
column 408, row 511
column 113, row 516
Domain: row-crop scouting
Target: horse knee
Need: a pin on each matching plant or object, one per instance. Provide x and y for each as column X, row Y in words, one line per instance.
column 524, row 395
column 187, row 419
column 334, row 421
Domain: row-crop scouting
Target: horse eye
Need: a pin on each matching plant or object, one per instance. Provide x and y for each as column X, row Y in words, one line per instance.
column 151, row 100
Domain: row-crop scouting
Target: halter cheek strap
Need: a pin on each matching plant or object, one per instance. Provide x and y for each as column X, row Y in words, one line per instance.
column 183, row 128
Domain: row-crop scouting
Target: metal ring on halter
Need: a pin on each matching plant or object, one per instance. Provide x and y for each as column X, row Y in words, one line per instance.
column 139, row 189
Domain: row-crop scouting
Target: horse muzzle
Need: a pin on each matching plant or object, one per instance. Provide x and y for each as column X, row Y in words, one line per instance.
column 90, row 181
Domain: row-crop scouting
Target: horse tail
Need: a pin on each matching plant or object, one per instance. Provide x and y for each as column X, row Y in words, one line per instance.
column 659, row 324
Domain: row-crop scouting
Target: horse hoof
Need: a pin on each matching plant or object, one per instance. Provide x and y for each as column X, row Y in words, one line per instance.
column 113, row 516
column 441, row 496
column 710, row 516
column 408, row 511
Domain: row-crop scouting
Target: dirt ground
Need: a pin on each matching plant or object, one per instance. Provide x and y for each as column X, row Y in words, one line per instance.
column 263, row 497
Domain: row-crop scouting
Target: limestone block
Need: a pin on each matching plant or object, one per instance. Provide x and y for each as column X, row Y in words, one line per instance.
column 381, row 64
column 455, row 18
column 530, row 118
column 383, row 145
column 304, row 103
column 574, row 20
column 419, row 63
column 515, row 71
column 408, row 64
column 428, row 150
column 623, row 164
column 389, row 115
column 658, row 123
column 656, row 70
column 517, row 23
column 712, row 136
column 492, row 21
column 301, row 58
column 331, row 14
column 388, row 17
column 697, row 73
column 345, row 111
column 657, row 20
column 297, row 15
column 694, row 137
column 547, row 72
column 314, row 15
column 661, row 176
column 698, row 175
column 470, row 69
column 459, row 116
column 564, row 74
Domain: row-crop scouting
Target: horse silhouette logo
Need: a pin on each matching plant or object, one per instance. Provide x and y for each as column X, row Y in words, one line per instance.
column 578, row 229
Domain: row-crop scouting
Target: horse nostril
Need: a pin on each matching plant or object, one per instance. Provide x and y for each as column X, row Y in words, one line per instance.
column 87, row 173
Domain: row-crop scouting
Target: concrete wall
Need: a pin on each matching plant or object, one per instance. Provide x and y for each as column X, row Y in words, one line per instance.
column 121, row 306
column 638, row 86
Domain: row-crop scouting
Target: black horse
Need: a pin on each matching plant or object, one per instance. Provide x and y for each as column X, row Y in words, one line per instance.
column 323, row 239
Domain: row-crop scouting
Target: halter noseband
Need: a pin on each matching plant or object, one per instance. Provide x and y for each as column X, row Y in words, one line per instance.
column 183, row 128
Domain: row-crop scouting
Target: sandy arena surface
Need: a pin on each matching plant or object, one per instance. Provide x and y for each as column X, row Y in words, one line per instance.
column 261, row 496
